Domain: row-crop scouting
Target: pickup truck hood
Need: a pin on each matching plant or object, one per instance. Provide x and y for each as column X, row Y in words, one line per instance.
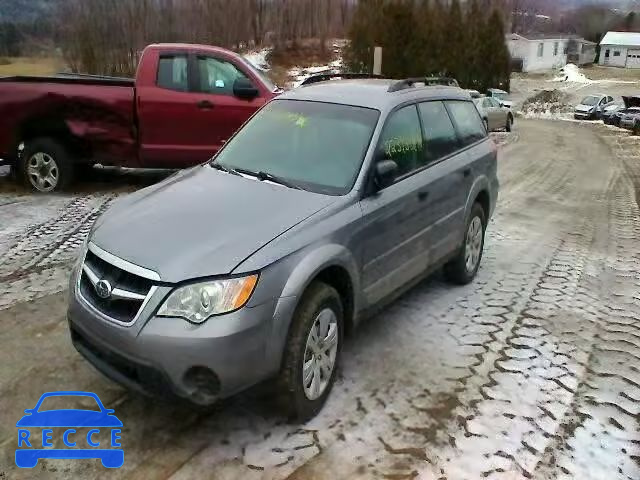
column 201, row 222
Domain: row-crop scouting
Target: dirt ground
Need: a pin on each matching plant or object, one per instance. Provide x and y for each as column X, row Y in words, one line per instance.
column 531, row 372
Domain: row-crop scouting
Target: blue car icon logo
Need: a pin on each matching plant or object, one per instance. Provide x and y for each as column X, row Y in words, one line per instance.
column 75, row 427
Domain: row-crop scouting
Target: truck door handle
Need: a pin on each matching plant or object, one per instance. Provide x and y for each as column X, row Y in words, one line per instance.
column 205, row 105
column 466, row 172
column 422, row 196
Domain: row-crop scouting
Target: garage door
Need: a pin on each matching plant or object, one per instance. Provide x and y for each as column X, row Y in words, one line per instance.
column 633, row 59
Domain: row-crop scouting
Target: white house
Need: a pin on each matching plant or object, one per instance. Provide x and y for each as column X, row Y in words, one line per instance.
column 547, row 51
column 620, row 49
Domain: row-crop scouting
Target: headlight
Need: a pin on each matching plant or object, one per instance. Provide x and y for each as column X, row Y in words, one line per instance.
column 199, row 301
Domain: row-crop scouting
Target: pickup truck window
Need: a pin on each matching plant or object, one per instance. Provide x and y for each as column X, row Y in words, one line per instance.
column 172, row 72
column 218, row 76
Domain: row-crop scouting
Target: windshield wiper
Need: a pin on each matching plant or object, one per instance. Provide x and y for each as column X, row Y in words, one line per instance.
column 222, row 168
column 269, row 177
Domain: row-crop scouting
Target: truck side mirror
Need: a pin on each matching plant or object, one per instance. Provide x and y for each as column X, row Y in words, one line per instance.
column 243, row 88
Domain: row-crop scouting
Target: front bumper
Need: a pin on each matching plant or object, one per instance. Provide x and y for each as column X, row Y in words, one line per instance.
column 170, row 357
column 584, row 115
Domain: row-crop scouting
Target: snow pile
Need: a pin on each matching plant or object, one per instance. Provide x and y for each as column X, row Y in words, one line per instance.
column 547, row 104
column 571, row 73
column 258, row 59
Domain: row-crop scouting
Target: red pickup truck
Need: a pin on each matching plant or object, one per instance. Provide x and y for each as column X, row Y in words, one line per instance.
column 184, row 103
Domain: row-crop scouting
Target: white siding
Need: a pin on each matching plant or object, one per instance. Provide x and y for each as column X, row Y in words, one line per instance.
column 533, row 62
column 615, row 60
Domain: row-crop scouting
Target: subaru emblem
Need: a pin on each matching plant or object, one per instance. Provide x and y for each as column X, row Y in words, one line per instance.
column 103, row 289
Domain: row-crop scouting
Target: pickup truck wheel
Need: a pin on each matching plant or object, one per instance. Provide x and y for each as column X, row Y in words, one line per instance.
column 312, row 353
column 464, row 267
column 45, row 165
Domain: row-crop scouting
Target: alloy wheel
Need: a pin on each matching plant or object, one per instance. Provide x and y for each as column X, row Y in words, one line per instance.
column 473, row 248
column 43, row 172
column 320, row 354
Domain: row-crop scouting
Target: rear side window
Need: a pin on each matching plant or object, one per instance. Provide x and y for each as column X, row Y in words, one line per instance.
column 218, row 76
column 401, row 140
column 468, row 121
column 440, row 137
column 172, row 73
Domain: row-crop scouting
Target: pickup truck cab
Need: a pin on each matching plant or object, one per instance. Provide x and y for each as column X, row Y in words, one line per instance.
column 184, row 103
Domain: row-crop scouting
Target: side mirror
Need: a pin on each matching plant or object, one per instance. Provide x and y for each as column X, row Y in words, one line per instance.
column 386, row 171
column 243, row 88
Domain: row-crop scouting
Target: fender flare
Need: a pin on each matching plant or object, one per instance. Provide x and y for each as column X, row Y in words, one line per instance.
column 311, row 265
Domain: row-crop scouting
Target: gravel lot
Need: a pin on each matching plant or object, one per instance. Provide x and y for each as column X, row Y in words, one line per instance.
column 531, row 372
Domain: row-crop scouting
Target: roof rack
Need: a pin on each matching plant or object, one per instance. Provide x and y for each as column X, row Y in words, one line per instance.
column 323, row 77
column 428, row 81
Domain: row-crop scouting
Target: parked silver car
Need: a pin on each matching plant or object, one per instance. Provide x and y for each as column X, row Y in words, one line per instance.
column 501, row 96
column 592, row 106
column 494, row 115
column 331, row 201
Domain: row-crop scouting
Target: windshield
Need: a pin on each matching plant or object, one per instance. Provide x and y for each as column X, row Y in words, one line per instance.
column 499, row 96
column 267, row 81
column 316, row 146
column 590, row 100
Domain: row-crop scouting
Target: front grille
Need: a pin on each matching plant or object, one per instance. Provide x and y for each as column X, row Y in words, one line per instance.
column 122, row 310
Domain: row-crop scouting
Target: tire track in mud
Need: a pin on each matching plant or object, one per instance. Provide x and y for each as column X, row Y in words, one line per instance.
column 39, row 260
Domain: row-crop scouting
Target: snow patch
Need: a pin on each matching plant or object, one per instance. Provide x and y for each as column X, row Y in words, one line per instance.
column 258, row 59
column 571, row 73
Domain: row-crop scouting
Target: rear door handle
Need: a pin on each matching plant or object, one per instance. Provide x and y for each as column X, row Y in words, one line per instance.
column 422, row 196
column 205, row 105
column 466, row 172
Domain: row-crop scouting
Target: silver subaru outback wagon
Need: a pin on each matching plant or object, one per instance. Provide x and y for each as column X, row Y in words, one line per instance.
column 331, row 201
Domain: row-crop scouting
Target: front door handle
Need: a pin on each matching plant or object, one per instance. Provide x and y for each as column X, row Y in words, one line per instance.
column 422, row 196
column 205, row 105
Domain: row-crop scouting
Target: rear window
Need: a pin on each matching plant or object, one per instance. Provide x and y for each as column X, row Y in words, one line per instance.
column 172, row 73
column 468, row 122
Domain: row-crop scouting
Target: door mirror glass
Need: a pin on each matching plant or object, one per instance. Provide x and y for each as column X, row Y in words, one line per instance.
column 386, row 173
column 243, row 88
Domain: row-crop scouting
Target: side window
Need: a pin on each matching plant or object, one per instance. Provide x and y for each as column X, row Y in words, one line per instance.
column 440, row 137
column 401, row 140
column 172, row 73
column 540, row 49
column 468, row 121
column 217, row 76
column 486, row 103
column 494, row 103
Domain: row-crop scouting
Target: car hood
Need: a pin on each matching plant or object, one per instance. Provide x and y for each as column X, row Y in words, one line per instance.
column 202, row 222
column 69, row 418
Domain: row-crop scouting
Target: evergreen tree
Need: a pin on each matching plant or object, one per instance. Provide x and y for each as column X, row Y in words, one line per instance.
column 456, row 29
column 474, row 63
column 495, row 54
column 398, row 40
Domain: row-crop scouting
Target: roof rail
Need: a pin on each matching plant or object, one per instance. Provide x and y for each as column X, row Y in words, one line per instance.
column 323, row 77
column 428, row 81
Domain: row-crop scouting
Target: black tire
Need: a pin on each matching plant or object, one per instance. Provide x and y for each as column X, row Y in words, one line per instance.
column 636, row 128
column 55, row 151
column 292, row 398
column 456, row 270
column 509, row 125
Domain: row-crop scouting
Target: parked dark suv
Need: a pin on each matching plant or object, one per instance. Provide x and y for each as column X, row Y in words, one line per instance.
column 330, row 201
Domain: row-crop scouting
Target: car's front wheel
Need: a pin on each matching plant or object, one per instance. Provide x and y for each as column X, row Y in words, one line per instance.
column 464, row 267
column 312, row 352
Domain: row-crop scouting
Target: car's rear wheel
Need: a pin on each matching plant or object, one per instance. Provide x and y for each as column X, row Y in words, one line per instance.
column 45, row 166
column 312, row 352
column 464, row 267
column 636, row 128
column 509, row 125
